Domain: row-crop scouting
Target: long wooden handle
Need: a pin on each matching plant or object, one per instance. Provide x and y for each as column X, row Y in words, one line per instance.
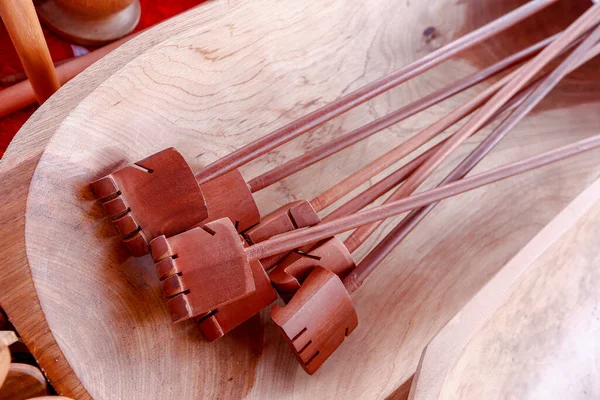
column 515, row 84
column 361, row 176
column 25, row 31
column 394, row 179
column 301, row 237
column 284, row 170
column 532, row 96
column 374, row 192
column 365, row 93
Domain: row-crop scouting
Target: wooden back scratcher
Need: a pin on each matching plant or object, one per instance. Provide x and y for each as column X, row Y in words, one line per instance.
column 160, row 195
column 218, row 322
column 294, row 268
column 287, row 276
column 321, row 280
column 183, row 260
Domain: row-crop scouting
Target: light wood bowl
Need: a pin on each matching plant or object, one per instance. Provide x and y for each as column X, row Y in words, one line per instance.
column 212, row 80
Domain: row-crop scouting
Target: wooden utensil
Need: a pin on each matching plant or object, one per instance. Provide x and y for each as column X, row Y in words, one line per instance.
column 137, row 229
column 201, row 258
column 321, row 314
column 287, row 276
column 25, row 31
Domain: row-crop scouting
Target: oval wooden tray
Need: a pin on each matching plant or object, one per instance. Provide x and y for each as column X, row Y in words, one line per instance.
column 210, row 81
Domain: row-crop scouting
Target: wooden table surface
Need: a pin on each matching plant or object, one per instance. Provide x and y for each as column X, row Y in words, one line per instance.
column 209, row 81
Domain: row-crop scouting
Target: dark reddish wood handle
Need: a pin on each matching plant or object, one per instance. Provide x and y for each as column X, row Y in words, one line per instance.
column 351, row 100
column 295, row 239
column 355, row 136
column 524, row 103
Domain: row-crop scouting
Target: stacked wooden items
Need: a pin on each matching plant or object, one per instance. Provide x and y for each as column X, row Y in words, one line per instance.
column 220, row 262
column 19, row 380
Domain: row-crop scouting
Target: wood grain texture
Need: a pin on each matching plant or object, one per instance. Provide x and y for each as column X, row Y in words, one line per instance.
column 528, row 290
column 6, row 339
column 212, row 80
column 543, row 342
column 19, row 299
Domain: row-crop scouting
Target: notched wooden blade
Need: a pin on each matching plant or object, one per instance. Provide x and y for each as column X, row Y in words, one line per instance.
column 228, row 196
column 221, row 321
column 317, row 319
column 202, row 269
column 156, row 196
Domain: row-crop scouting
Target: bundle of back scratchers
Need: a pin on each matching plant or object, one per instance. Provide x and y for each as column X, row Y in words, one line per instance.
column 220, row 262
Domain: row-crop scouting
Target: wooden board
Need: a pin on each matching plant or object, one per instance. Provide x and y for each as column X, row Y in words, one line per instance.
column 237, row 71
column 532, row 330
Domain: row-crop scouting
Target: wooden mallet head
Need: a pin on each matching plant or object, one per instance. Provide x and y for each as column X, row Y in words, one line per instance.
column 202, row 269
column 156, row 196
column 317, row 319
column 331, row 254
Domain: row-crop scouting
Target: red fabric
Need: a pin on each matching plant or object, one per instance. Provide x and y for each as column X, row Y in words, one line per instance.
column 153, row 12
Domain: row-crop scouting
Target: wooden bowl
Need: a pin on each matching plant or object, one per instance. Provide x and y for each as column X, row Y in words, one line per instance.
column 235, row 73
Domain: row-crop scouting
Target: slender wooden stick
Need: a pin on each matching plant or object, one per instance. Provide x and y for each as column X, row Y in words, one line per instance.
column 25, row 31
column 394, row 179
column 355, row 136
column 382, row 187
column 520, row 78
column 349, row 101
column 526, row 103
column 298, row 238
column 359, row 177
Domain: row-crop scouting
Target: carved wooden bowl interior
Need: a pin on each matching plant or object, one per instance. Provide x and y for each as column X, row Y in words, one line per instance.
column 244, row 70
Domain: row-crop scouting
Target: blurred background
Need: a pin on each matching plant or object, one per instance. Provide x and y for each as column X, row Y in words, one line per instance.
column 152, row 13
